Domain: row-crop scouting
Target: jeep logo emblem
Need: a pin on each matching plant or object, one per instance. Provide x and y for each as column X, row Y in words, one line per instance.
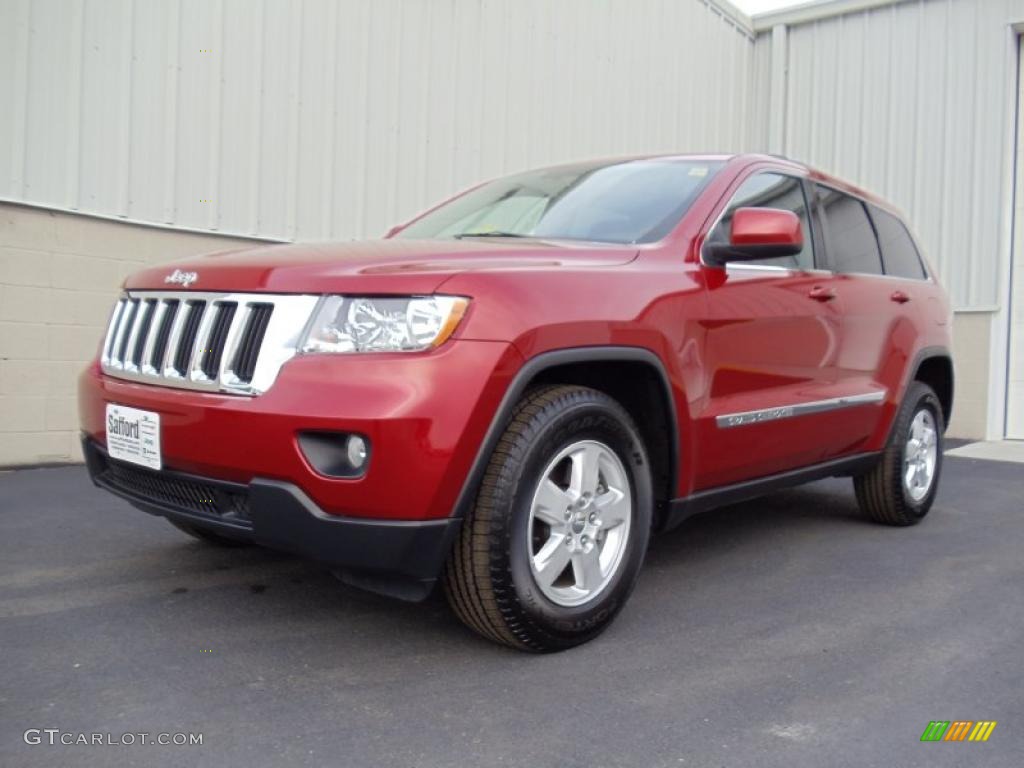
column 184, row 279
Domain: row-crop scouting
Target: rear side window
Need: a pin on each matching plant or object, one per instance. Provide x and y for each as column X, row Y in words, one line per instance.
column 898, row 250
column 849, row 236
column 770, row 190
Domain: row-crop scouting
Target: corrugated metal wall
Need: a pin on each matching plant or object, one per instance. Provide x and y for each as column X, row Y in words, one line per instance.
column 910, row 101
column 316, row 119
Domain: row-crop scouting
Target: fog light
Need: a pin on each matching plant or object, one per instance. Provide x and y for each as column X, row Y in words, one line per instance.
column 357, row 451
column 336, row 454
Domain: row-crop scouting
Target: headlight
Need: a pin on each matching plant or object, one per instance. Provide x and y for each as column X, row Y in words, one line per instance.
column 406, row 324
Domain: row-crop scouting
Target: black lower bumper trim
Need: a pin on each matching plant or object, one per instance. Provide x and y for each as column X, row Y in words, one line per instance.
column 397, row 557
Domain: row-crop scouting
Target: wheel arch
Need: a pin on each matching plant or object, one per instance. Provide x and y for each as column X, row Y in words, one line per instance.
column 651, row 405
column 934, row 366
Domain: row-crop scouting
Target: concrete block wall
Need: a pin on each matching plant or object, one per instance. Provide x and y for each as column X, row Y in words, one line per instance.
column 59, row 276
column 971, row 335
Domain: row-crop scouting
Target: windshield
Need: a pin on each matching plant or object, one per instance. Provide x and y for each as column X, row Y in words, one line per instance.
column 637, row 201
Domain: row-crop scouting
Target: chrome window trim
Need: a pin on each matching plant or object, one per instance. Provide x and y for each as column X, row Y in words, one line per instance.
column 743, row 418
column 289, row 318
column 772, row 268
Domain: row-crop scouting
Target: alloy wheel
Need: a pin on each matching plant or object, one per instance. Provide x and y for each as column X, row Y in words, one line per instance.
column 580, row 519
column 920, row 455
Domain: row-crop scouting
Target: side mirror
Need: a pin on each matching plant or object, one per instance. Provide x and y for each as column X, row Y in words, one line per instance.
column 757, row 233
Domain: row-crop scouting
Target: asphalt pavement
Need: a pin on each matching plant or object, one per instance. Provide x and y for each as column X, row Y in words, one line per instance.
column 785, row 631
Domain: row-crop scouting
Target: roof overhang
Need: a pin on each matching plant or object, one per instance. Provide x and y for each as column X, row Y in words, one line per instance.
column 731, row 13
column 812, row 11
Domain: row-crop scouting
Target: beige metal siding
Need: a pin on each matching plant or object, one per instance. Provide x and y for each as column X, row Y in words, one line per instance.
column 313, row 119
column 909, row 100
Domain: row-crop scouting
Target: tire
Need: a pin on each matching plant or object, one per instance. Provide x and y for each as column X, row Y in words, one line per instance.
column 501, row 577
column 207, row 536
column 885, row 493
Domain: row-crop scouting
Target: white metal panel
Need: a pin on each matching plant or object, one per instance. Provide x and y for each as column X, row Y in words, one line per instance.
column 46, row 164
column 105, row 150
column 316, row 119
column 908, row 100
column 150, row 129
column 1015, row 373
column 14, row 35
column 761, row 95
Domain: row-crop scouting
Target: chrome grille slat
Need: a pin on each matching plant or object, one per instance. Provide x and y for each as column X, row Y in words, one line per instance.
column 186, row 346
column 244, row 363
column 123, row 332
column 209, row 361
column 172, row 342
column 115, row 322
column 145, row 363
column 142, row 332
column 153, row 356
column 128, row 347
column 213, row 342
column 202, row 341
column 234, row 340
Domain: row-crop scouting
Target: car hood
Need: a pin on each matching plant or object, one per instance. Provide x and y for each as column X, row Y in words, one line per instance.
column 371, row 266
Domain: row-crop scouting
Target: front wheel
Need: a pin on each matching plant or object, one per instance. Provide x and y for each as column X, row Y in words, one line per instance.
column 555, row 542
column 900, row 489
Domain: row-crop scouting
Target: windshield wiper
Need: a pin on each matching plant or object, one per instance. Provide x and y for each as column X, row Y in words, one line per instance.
column 493, row 233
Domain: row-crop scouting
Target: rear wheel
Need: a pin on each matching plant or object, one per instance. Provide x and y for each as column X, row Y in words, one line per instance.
column 901, row 488
column 208, row 536
column 555, row 542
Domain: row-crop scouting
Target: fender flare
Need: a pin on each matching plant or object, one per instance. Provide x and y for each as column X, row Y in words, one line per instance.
column 923, row 354
column 536, row 365
column 932, row 353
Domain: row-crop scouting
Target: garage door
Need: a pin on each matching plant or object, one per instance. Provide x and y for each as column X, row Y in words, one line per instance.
column 1015, row 390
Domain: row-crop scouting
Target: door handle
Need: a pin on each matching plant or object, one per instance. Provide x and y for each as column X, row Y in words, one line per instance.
column 900, row 297
column 821, row 293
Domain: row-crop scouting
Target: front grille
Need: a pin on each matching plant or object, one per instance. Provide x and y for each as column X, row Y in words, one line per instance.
column 187, row 339
column 177, row 491
column 148, row 308
column 163, row 334
column 214, row 350
column 245, row 359
column 227, row 342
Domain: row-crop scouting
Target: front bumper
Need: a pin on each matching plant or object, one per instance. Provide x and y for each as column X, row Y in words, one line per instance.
column 424, row 415
column 398, row 558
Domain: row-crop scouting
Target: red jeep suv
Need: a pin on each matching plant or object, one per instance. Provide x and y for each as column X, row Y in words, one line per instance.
column 511, row 392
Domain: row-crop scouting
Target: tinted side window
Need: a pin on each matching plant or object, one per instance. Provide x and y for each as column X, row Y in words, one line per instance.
column 898, row 251
column 770, row 190
column 849, row 236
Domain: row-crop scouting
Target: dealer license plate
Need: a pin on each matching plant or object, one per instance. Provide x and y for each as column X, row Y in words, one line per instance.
column 133, row 435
